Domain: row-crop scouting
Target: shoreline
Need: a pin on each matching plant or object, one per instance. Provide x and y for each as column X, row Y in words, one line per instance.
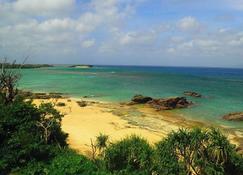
column 85, row 123
column 120, row 120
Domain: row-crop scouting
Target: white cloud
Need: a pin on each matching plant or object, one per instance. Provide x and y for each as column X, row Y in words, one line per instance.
column 56, row 25
column 224, row 30
column 88, row 22
column 88, row 43
column 237, row 42
column 137, row 38
column 217, row 44
column 171, row 50
column 108, row 27
column 42, row 7
column 188, row 24
column 56, row 31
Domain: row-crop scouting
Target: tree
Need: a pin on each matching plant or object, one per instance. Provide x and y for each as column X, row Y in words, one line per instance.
column 8, row 81
column 196, row 152
column 27, row 133
column 101, row 142
column 99, row 146
column 50, row 124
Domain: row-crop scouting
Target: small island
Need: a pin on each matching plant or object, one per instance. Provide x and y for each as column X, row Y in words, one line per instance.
column 25, row 66
column 82, row 66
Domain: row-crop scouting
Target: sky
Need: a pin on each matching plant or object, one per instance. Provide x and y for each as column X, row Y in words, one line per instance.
column 206, row 33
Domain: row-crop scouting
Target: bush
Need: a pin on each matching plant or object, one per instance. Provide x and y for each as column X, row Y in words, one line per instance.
column 22, row 140
column 67, row 162
column 132, row 154
column 197, row 152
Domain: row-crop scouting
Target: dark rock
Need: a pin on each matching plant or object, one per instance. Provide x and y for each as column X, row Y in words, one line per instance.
column 169, row 103
column 25, row 94
column 55, row 96
column 82, row 103
column 91, row 96
column 55, row 93
column 236, row 116
column 39, row 95
column 192, row 94
column 162, row 103
column 60, row 104
column 140, row 99
column 45, row 96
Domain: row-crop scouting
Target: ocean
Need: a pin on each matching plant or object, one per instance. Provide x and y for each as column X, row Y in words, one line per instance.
column 222, row 88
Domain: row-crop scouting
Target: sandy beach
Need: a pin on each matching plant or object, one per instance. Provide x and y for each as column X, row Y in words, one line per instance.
column 85, row 123
column 117, row 121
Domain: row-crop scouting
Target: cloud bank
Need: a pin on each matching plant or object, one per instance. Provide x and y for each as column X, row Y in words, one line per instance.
column 135, row 32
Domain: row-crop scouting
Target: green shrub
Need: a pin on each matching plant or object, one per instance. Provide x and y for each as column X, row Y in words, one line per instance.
column 22, row 140
column 132, row 154
column 32, row 168
column 102, row 141
column 67, row 162
column 197, row 152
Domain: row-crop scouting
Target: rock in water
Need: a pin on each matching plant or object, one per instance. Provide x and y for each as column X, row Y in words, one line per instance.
column 236, row 116
column 140, row 99
column 161, row 103
column 170, row 103
column 192, row 94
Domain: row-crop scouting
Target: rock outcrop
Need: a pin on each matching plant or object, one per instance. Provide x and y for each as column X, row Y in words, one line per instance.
column 170, row 103
column 140, row 99
column 161, row 103
column 192, row 94
column 82, row 103
column 236, row 116
column 40, row 95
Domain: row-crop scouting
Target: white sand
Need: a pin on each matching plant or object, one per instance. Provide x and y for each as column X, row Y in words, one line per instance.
column 85, row 123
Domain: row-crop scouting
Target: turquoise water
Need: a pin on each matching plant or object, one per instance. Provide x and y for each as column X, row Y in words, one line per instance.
column 222, row 88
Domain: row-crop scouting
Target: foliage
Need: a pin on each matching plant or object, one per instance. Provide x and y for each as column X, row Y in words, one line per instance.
column 132, row 154
column 196, row 152
column 8, row 82
column 50, row 124
column 67, row 162
column 99, row 146
column 25, row 66
column 101, row 141
column 22, row 139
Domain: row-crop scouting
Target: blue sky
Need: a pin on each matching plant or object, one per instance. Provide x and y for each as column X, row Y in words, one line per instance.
column 123, row 32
